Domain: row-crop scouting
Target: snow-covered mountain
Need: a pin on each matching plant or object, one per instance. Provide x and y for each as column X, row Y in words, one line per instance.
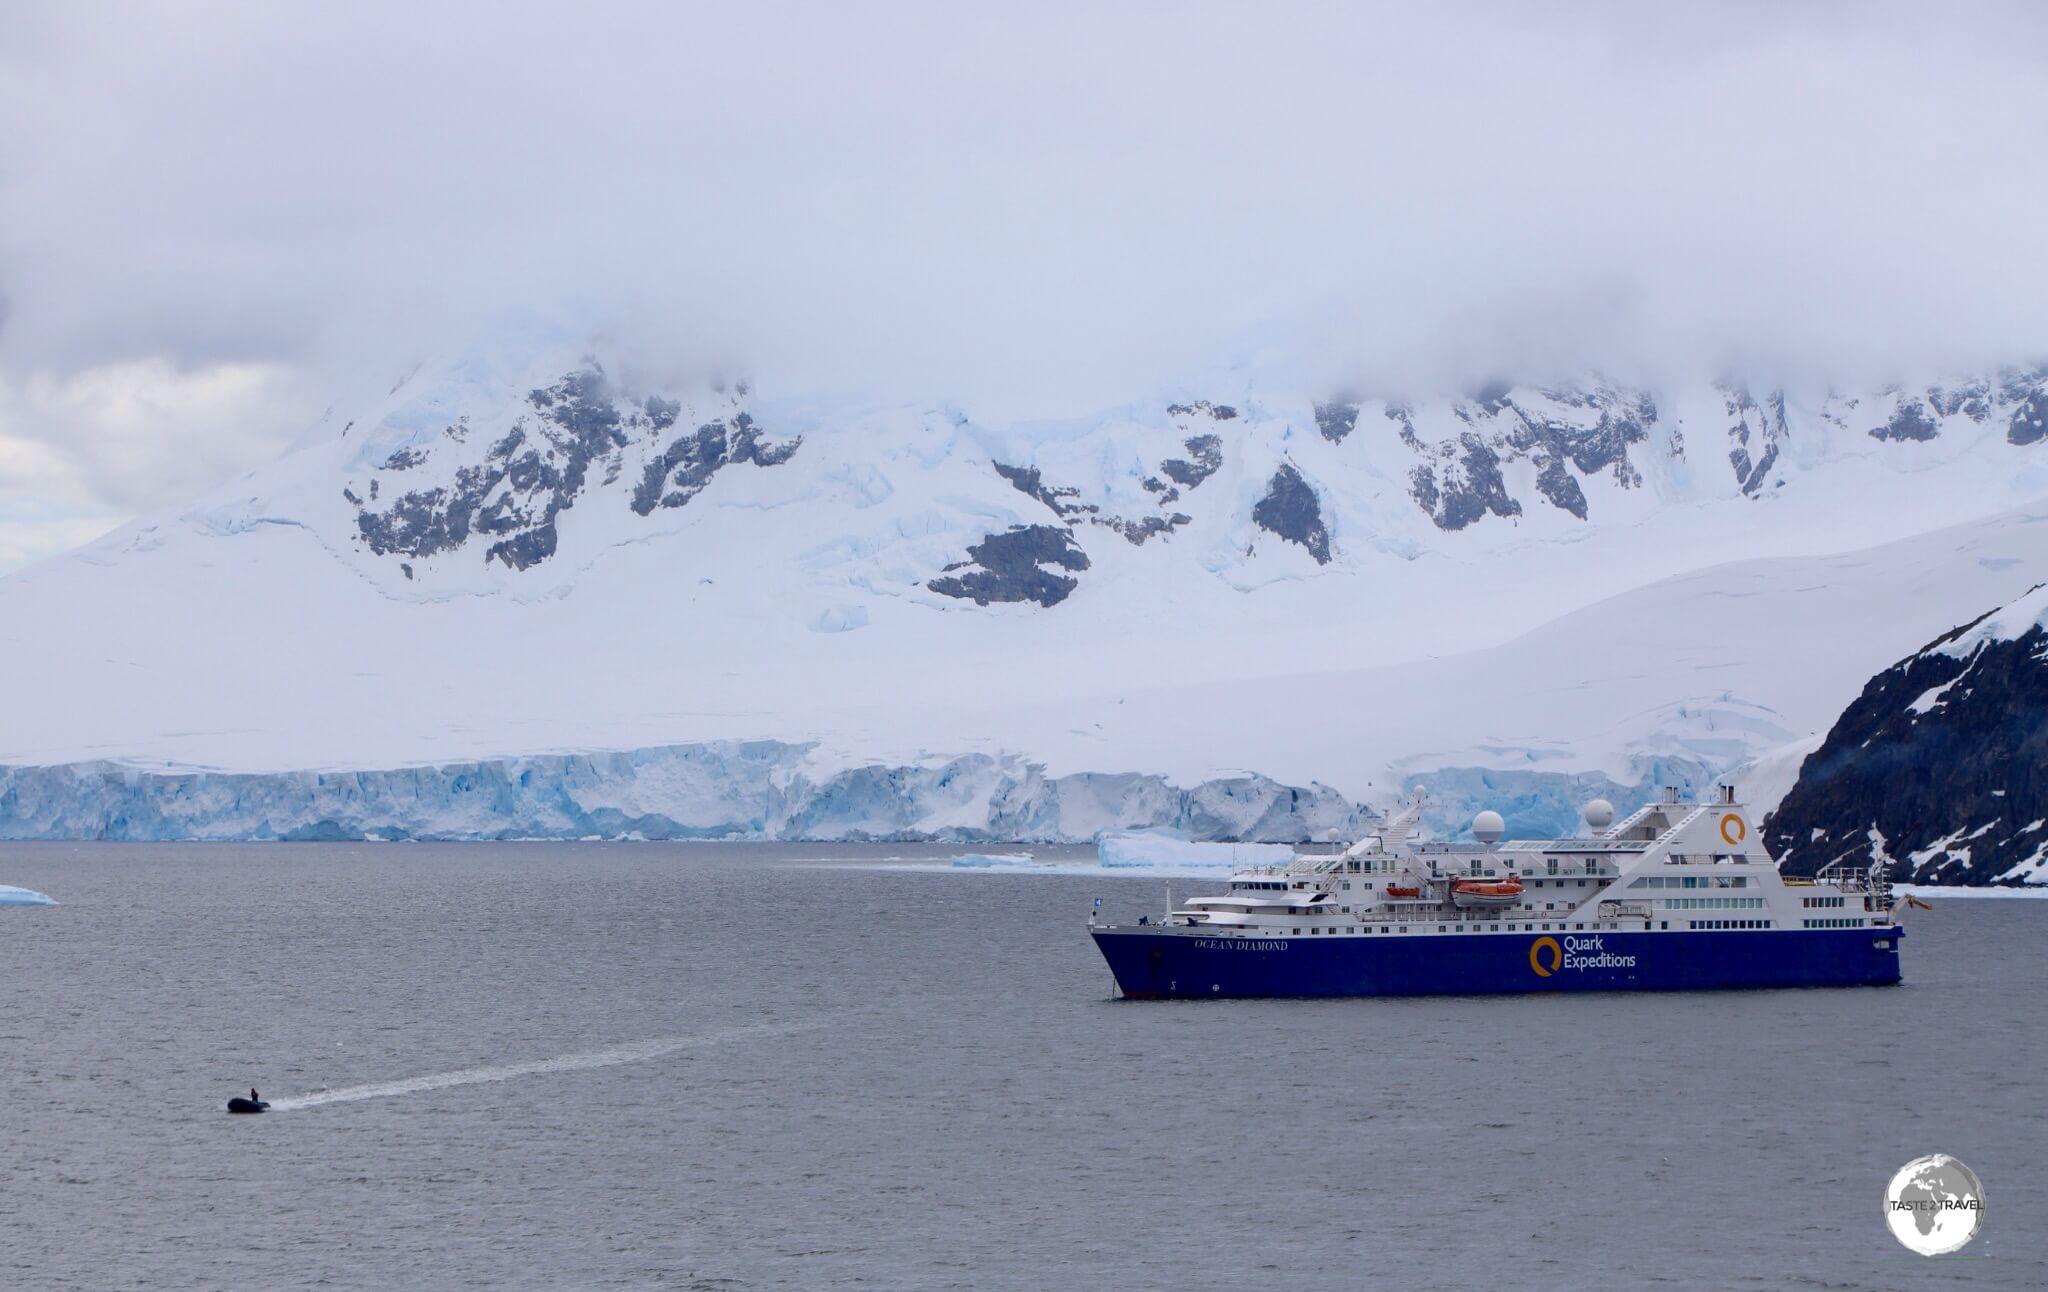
column 1940, row 765
column 1521, row 595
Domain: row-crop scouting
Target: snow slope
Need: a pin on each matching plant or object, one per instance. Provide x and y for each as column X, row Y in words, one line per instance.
column 1522, row 595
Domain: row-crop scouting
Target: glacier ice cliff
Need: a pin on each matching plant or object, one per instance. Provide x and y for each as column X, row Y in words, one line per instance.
column 716, row 790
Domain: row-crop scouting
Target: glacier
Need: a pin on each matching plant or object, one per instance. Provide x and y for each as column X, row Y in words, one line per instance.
column 719, row 790
column 776, row 790
column 11, row 896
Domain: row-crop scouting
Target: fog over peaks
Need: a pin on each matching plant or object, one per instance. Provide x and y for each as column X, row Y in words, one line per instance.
column 1042, row 207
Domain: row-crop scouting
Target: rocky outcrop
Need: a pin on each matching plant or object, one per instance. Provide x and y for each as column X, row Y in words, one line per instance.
column 1291, row 510
column 1205, row 456
column 1020, row 564
column 1566, row 434
column 1754, row 435
column 510, row 497
column 1336, row 420
column 1941, row 764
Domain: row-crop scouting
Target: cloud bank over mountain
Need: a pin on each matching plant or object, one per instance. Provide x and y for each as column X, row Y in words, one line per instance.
column 1034, row 209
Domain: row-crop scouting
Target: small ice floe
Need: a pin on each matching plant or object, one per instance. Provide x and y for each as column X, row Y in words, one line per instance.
column 24, row 897
column 990, row 860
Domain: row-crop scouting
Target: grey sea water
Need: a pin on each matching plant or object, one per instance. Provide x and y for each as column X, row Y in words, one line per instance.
column 755, row 1066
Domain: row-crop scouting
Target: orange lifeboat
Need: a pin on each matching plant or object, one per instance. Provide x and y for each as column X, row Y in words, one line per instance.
column 1486, row 894
column 1403, row 890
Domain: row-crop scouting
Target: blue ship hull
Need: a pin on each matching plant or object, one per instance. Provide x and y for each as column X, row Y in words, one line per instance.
column 1184, row 963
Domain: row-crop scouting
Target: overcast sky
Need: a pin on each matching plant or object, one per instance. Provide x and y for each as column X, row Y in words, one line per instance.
column 212, row 217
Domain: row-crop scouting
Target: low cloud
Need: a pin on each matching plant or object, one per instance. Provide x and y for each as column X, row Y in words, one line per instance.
column 1045, row 206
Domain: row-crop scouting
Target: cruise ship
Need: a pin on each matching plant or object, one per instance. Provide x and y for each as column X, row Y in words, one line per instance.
column 1676, row 896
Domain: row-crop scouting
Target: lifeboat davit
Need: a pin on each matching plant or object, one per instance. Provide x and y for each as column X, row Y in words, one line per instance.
column 1403, row 890
column 1486, row 894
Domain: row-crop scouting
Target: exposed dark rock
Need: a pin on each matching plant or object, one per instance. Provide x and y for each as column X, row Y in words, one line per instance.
column 1027, row 480
column 1336, row 420
column 1910, row 422
column 1403, row 416
column 1560, row 432
column 1604, row 446
column 689, row 462
column 1959, row 776
column 519, row 488
column 1291, row 510
column 748, row 446
column 1202, row 408
column 1208, row 456
column 1972, row 399
column 1759, row 427
column 1139, row 530
column 683, row 468
column 1205, row 456
column 538, row 468
column 1556, row 482
column 1011, row 567
column 2030, row 410
column 1463, row 485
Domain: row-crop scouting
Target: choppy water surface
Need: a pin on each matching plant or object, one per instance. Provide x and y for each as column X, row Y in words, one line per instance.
column 762, row 1066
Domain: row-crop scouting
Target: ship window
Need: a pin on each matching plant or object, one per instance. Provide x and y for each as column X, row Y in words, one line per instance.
column 1578, row 926
column 1664, row 924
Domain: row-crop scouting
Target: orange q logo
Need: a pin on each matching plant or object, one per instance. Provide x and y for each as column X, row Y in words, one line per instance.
column 1733, row 831
column 1542, row 950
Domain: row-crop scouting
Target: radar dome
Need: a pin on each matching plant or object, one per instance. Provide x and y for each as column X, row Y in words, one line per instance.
column 1599, row 814
column 1487, row 826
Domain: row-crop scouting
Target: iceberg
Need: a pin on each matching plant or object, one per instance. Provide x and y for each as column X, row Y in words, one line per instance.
column 24, row 897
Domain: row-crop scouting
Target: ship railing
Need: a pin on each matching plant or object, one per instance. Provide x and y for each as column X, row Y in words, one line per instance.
column 1849, row 879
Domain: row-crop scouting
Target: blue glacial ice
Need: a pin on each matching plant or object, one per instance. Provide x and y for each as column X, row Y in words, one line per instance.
column 996, row 860
column 716, row 790
column 769, row 789
column 24, row 897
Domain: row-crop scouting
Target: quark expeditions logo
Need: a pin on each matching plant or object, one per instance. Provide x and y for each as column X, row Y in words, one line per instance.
column 1733, row 830
column 1547, row 956
column 1934, row 1205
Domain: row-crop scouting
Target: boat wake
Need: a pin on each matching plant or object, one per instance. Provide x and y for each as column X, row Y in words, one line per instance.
column 635, row 1052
